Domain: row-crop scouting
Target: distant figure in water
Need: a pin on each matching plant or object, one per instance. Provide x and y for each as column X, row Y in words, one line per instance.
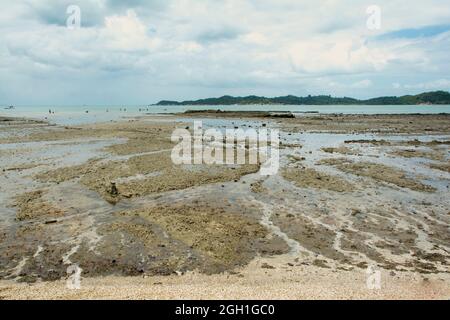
column 87, row 111
column 49, row 111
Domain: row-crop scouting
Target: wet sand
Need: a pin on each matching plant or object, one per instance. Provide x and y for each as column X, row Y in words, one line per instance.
column 352, row 192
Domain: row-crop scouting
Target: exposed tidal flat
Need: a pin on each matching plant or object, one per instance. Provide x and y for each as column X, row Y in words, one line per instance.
column 352, row 191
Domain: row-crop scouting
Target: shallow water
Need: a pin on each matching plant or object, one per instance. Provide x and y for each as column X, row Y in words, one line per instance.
column 67, row 115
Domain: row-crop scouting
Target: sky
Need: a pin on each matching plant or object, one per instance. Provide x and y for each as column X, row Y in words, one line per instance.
column 138, row 52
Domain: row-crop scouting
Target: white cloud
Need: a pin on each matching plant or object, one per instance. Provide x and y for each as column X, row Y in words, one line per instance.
column 363, row 84
column 337, row 56
column 441, row 84
column 218, row 47
column 256, row 38
column 127, row 33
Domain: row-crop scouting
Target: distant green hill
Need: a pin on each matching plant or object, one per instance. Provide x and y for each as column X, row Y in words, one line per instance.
column 435, row 97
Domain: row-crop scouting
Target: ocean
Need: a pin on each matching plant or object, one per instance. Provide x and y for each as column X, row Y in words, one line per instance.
column 65, row 115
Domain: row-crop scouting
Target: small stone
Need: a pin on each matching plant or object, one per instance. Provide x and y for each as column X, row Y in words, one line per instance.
column 113, row 191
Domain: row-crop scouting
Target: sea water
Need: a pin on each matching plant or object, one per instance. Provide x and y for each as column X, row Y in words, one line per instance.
column 72, row 115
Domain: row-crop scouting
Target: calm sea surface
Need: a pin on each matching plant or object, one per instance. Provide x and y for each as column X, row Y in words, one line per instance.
column 91, row 114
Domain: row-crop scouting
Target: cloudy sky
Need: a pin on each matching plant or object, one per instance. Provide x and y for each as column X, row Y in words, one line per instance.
column 139, row 52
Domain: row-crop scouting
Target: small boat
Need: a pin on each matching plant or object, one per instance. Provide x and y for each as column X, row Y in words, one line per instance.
column 10, row 108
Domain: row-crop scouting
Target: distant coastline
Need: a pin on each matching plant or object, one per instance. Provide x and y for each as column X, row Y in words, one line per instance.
column 426, row 98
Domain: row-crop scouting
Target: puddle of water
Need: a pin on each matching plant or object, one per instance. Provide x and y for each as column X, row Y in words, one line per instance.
column 42, row 156
column 312, row 143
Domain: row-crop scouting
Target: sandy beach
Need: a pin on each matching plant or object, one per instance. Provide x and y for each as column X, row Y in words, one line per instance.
column 352, row 192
